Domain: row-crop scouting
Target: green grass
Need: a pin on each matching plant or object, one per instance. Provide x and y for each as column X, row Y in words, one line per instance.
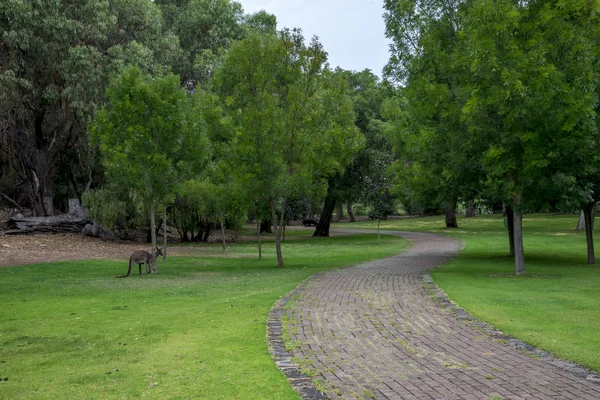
column 554, row 307
column 197, row 330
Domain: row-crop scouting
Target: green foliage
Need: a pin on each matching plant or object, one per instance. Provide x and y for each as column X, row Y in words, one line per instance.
column 56, row 58
column 377, row 190
column 104, row 206
column 293, row 119
column 149, row 135
column 205, row 29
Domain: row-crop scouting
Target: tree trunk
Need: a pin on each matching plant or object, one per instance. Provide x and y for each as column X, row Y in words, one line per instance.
column 518, row 234
column 470, row 211
column 451, row 214
column 165, row 235
column 322, row 229
column 222, row 219
column 339, row 214
column 581, row 222
column 259, row 239
column 589, row 211
column 350, row 212
column 378, row 231
column 510, row 217
column 277, row 234
column 153, row 236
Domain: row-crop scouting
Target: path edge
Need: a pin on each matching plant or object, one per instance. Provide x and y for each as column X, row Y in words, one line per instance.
column 442, row 299
column 284, row 360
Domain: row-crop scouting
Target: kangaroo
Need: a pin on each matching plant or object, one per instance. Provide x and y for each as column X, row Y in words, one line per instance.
column 140, row 257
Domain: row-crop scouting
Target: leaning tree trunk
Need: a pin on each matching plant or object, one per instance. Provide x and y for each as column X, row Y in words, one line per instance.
column 518, row 234
column 581, row 222
column 322, row 229
column 350, row 212
column 34, row 153
column 451, row 214
column 276, row 226
column 589, row 211
column 510, row 216
column 153, row 237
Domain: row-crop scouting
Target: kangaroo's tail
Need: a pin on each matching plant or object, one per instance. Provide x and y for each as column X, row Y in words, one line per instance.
column 128, row 271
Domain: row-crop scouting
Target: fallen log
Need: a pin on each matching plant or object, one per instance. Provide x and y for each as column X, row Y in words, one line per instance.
column 54, row 224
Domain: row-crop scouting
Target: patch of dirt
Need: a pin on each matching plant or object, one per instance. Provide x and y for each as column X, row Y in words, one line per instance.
column 31, row 249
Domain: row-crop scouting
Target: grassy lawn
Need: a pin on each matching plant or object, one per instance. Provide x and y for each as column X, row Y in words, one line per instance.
column 556, row 306
column 197, row 330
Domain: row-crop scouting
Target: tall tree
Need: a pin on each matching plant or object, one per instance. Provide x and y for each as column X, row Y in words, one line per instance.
column 534, row 96
column 438, row 160
column 368, row 94
column 150, row 138
column 205, row 28
column 294, row 118
column 55, row 59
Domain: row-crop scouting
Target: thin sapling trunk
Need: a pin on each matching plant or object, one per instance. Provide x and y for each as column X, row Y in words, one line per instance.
column 589, row 211
column 259, row 239
column 378, row 231
column 164, row 235
column 222, row 218
column 153, row 236
column 277, row 234
column 518, row 233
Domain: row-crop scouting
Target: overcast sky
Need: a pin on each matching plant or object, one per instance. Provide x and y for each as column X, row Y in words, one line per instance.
column 351, row 31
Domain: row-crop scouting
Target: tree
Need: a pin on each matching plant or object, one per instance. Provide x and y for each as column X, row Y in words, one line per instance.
column 294, row 121
column 533, row 99
column 438, row 161
column 150, row 138
column 56, row 58
column 376, row 191
column 368, row 95
column 205, row 28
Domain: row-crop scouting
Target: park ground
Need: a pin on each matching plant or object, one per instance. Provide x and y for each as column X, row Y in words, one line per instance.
column 197, row 329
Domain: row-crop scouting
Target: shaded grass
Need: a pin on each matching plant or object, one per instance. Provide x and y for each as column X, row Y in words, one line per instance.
column 196, row 330
column 554, row 307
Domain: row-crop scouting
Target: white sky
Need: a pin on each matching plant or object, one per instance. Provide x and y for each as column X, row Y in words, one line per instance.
column 351, row 31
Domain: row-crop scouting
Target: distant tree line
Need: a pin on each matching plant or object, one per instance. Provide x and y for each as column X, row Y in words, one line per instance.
column 187, row 111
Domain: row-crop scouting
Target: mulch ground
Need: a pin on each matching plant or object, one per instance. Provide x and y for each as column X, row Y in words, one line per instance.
column 32, row 249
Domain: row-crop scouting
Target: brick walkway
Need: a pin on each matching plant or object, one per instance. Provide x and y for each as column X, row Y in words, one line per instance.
column 374, row 331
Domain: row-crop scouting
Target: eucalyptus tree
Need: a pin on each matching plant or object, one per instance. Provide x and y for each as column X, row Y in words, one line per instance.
column 293, row 118
column 56, row 58
column 150, row 138
column 206, row 29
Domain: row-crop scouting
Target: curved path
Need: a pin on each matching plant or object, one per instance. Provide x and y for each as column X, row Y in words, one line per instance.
column 374, row 331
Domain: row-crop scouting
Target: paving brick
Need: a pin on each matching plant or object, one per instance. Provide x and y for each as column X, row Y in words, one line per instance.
column 375, row 330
